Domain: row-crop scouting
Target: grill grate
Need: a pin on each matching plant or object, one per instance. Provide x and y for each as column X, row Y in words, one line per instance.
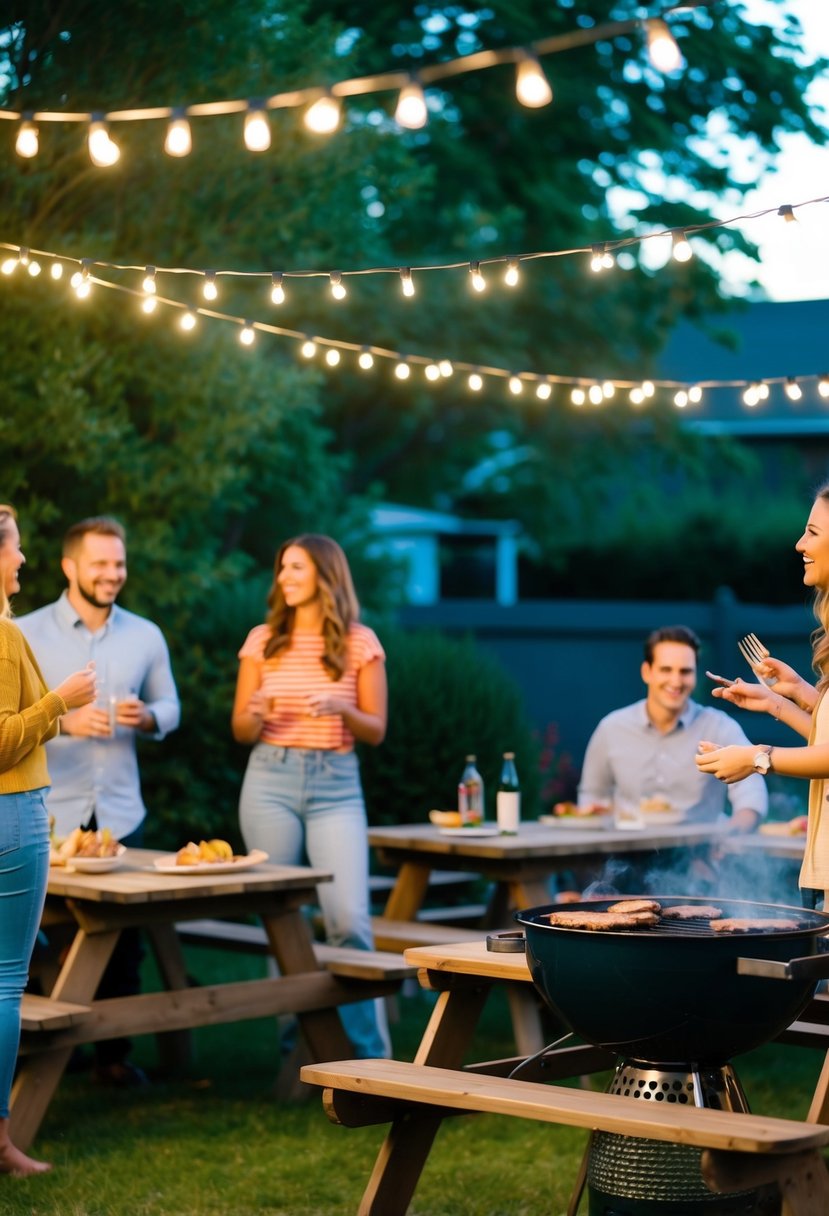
column 805, row 921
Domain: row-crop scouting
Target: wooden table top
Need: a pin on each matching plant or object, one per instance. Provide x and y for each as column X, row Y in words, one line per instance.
column 470, row 958
column 137, row 880
column 535, row 840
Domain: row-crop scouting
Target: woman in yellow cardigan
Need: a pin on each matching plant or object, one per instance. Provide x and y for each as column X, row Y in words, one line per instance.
column 29, row 715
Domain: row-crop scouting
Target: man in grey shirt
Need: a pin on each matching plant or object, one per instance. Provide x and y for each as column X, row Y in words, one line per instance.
column 93, row 763
column 646, row 750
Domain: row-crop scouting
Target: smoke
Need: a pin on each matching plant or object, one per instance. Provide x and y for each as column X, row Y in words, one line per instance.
column 707, row 872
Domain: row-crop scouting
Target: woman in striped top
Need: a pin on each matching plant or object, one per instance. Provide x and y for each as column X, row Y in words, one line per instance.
column 312, row 680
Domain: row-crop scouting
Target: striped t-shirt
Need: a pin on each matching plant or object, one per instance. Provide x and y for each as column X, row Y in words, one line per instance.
column 290, row 677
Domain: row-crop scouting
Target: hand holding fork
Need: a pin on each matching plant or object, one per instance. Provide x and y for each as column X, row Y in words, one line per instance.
column 755, row 654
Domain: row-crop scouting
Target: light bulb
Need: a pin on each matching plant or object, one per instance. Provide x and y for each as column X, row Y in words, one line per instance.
column 187, row 321
column 515, row 385
column 323, row 116
column 577, row 396
column 636, row 395
column 9, row 265
column 793, row 389
column 366, row 360
column 680, row 399
column 544, row 390
column 407, row 282
column 149, row 281
column 511, row 275
column 608, row 389
column 648, row 388
column 103, row 151
column 33, row 269
column 663, row 51
column 308, row 349
column 695, row 394
column 247, row 334
column 257, row 129
column 179, row 141
column 595, row 394
column 750, row 396
column 338, row 290
column 84, row 288
column 601, row 259
column 432, row 371
column 446, row 367
column 26, row 144
column 75, row 280
column 823, row 386
column 681, row 249
column 475, row 382
column 402, row 371
column 763, row 391
column 277, row 290
column 210, row 291
column 532, row 88
column 478, row 280
column 411, row 109
column 149, row 304
column 332, row 356
column 56, row 270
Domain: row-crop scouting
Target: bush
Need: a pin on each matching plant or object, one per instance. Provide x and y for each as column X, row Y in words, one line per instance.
column 447, row 698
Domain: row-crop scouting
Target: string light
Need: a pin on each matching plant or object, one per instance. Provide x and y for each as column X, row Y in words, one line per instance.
column 187, row 321
column 475, row 382
column 402, row 371
column 681, row 250
column 763, row 391
column 149, row 285
column 511, row 274
column 515, row 385
column 602, row 258
column 532, row 88
column 823, row 386
column 595, row 394
column 26, row 144
column 792, row 389
column 209, row 290
column 608, row 389
column 478, row 280
column 445, row 368
column 751, row 396
column 308, row 349
column 577, row 396
column 247, row 334
column 332, row 356
column 277, row 290
column 149, row 304
column 323, row 115
column 56, row 270
column 695, row 394
column 787, row 212
column 411, row 111
column 257, row 134
column 338, row 289
column 544, row 390
column 179, row 140
column 648, row 388
column 9, row 265
column 366, row 360
column 103, row 151
column 636, row 395
column 432, row 371
column 83, row 287
column 663, row 51
column 680, row 399
column 407, row 282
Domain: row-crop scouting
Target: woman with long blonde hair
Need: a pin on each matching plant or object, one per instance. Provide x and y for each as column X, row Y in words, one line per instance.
column 29, row 715
column 801, row 705
column 312, row 680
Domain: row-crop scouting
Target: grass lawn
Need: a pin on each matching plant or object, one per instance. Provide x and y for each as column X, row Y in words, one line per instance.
column 216, row 1143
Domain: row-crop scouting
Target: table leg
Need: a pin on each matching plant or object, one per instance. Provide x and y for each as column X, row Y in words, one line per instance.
column 175, row 1047
column 39, row 1074
column 819, row 1109
column 409, row 890
column 408, row 1143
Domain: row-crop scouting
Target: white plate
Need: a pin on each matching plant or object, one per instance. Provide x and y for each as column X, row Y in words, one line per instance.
column 656, row 818
column 167, row 864
column 95, row 865
column 482, row 830
column 586, row 823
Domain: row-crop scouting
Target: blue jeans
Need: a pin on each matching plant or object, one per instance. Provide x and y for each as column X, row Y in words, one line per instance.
column 297, row 803
column 24, row 869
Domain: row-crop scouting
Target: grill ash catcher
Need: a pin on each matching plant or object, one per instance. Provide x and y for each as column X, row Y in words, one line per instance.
column 674, row 1002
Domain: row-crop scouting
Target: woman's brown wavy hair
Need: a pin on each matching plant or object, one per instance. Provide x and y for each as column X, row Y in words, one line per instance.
column 820, row 637
column 340, row 608
column 7, row 514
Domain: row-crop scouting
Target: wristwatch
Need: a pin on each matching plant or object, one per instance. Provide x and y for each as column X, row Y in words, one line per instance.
column 762, row 761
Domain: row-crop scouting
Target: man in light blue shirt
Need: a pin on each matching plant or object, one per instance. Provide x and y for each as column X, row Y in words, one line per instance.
column 646, row 750
column 93, row 763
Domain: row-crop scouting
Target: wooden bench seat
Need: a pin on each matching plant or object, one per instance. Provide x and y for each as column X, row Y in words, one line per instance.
column 42, row 1013
column 739, row 1151
column 345, row 961
column 402, row 934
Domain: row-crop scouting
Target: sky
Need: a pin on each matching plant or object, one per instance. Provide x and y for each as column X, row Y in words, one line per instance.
column 795, row 257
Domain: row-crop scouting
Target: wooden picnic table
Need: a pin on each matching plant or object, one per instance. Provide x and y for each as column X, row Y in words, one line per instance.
column 519, row 867
column 95, row 908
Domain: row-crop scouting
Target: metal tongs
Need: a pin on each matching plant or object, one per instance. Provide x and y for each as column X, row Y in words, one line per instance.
column 755, row 654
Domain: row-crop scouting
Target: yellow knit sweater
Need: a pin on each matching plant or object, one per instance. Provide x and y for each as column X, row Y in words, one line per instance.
column 29, row 714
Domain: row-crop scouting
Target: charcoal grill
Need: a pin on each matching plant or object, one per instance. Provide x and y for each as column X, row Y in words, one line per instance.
column 675, row 1002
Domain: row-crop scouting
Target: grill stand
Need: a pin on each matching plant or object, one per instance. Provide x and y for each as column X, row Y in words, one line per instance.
column 628, row 1176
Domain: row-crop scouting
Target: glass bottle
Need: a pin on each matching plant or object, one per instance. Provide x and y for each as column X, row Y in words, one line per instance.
column 474, row 785
column 508, row 799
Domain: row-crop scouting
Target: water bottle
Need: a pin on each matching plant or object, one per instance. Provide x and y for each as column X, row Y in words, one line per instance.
column 473, row 783
column 508, row 798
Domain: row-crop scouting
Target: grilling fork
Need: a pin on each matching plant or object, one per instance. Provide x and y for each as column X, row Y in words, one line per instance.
column 754, row 653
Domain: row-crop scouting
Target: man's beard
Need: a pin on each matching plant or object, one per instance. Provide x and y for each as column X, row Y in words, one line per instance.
column 89, row 596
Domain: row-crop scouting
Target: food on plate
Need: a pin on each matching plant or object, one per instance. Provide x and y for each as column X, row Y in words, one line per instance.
column 635, row 905
column 446, row 819
column 590, row 808
column 747, row 924
column 791, row 827
column 692, row 912
column 83, row 842
column 568, row 897
column 206, row 851
column 655, row 806
column 599, row 921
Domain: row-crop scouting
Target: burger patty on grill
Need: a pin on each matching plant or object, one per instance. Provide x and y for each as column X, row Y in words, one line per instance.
column 691, row 912
column 598, row 921
column 629, row 906
column 747, row 924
